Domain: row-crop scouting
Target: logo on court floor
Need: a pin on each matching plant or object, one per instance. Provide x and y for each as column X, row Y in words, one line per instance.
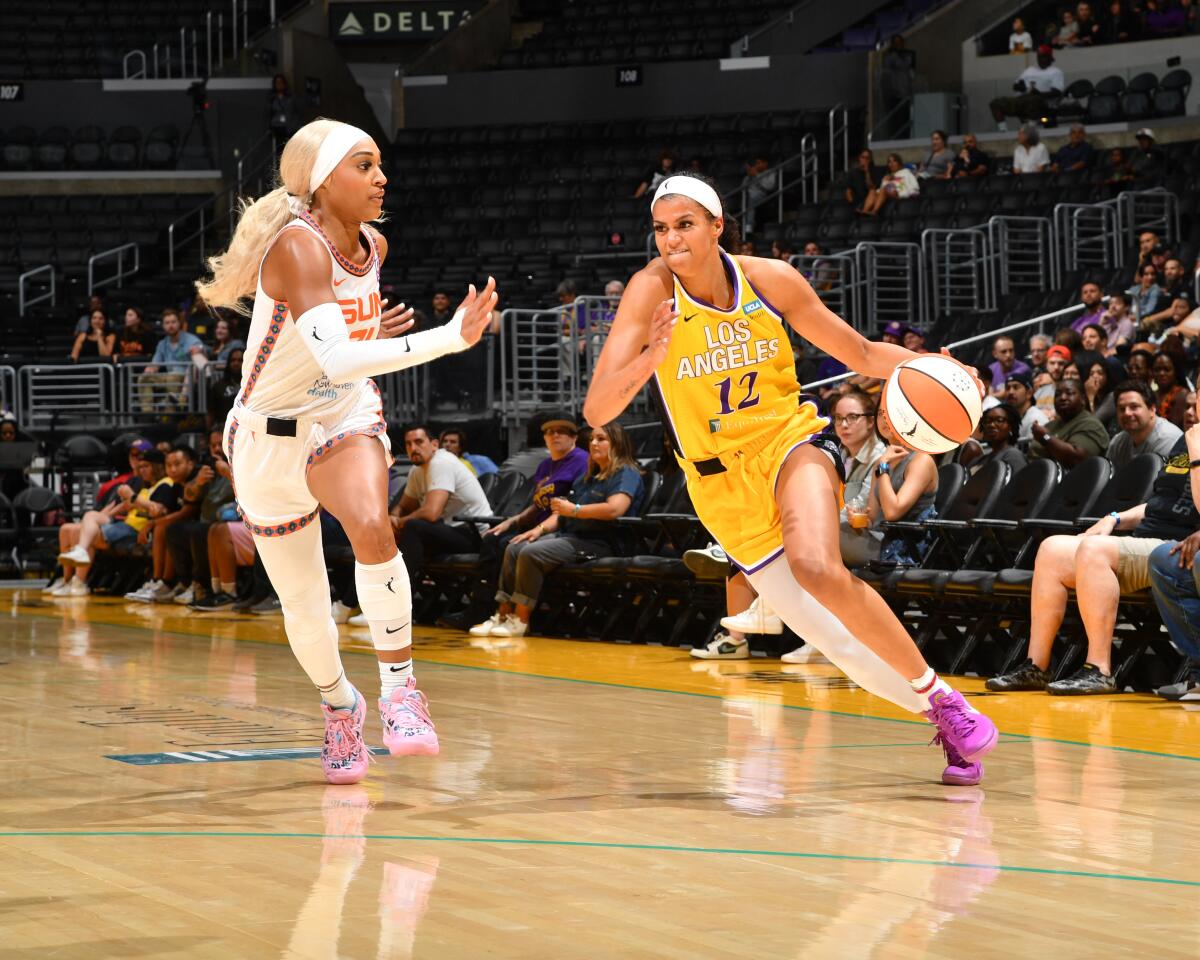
column 223, row 756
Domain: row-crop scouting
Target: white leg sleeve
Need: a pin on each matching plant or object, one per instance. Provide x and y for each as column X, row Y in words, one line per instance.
column 808, row 619
column 386, row 600
column 296, row 567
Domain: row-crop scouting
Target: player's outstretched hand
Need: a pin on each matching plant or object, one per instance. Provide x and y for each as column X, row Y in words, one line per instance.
column 395, row 320
column 662, row 325
column 477, row 311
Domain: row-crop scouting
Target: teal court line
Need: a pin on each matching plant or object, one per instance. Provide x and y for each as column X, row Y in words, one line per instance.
column 600, row 845
column 1013, row 737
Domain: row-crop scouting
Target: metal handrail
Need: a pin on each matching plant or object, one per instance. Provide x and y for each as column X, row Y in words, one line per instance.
column 214, row 46
column 125, row 65
column 906, row 104
column 990, row 335
column 807, row 159
column 122, row 273
column 23, row 301
column 838, row 110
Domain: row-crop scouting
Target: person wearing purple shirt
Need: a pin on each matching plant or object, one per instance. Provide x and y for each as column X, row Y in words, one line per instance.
column 1005, row 364
column 1093, row 306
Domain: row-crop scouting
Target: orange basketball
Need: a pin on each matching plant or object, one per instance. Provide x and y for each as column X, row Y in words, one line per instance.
column 932, row 403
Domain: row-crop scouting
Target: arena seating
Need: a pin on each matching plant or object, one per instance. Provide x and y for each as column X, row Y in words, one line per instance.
column 56, row 148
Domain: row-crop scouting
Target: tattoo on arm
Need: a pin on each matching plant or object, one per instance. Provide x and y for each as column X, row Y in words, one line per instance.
column 626, row 390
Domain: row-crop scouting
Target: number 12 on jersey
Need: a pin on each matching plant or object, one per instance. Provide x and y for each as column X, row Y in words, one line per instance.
column 746, row 380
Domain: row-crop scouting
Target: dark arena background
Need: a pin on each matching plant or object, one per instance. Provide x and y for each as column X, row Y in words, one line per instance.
column 643, row 760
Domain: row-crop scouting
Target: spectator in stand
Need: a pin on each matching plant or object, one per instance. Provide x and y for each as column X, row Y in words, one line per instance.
column 862, row 178
column 580, row 527
column 1117, row 323
column 1148, row 162
column 1098, row 383
column 896, row 74
column 1068, row 30
column 899, row 183
column 1170, row 388
column 940, row 159
column 1142, row 429
column 210, row 495
column 1074, row 435
column 1094, row 337
column 914, row 340
column 1140, row 365
column 1164, row 18
column 1123, row 23
column 12, row 479
column 1030, row 154
column 820, row 273
column 101, row 529
column 440, row 489
column 854, row 422
column 667, row 162
column 454, row 441
column 1033, row 86
column 1020, row 40
column 1174, row 287
column 1146, row 295
column 161, row 384
column 1044, row 385
column 162, row 587
column 1101, row 567
column 970, row 161
column 1087, row 27
column 84, row 323
column 1183, row 322
column 1116, row 168
column 1001, row 427
column 1039, row 343
column 1004, row 363
column 97, row 343
column 555, row 477
column 782, row 249
column 1093, row 306
column 1018, row 394
column 758, row 184
column 1076, row 153
column 1147, row 241
column 136, row 341
column 223, row 390
column 225, row 341
column 281, row 112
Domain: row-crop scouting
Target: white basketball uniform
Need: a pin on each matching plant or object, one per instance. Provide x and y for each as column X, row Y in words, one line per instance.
column 288, row 414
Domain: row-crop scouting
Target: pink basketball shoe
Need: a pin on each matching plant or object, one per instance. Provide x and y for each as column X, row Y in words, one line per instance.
column 966, row 732
column 407, row 726
column 345, row 756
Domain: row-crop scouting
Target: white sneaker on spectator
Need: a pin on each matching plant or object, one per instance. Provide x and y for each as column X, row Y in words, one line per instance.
column 143, row 593
column 486, row 628
column 76, row 555
column 510, row 626
column 186, row 596
column 722, row 647
column 164, row 594
column 756, row 618
column 711, row 563
column 62, row 588
column 358, row 620
column 52, row 586
column 806, row 653
column 76, row 588
column 341, row 612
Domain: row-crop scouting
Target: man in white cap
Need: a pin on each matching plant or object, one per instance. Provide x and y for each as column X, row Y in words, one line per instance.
column 1146, row 159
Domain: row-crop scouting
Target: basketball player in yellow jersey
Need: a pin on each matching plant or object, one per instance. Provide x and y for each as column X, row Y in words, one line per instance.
column 709, row 329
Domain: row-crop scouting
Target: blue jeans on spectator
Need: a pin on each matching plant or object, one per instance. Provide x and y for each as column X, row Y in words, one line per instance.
column 117, row 533
column 1177, row 594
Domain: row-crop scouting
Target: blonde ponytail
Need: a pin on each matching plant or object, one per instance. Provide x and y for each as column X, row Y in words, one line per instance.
column 235, row 272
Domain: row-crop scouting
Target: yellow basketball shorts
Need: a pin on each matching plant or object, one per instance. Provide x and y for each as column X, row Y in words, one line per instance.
column 734, row 497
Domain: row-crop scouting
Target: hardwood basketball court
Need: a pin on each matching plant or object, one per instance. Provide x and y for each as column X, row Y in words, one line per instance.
column 590, row 801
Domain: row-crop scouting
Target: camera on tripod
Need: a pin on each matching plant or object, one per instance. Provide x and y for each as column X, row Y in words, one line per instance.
column 198, row 91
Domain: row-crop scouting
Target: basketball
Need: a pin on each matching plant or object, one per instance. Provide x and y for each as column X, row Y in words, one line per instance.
column 932, row 403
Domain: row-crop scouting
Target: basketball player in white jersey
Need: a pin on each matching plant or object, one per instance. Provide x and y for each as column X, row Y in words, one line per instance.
column 307, row 429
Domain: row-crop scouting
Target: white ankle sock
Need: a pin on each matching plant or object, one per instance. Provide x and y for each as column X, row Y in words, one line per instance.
column 928, row 684
column 393, row 676
column 339, row 694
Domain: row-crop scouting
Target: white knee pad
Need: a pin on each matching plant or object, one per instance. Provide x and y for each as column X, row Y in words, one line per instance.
column 808, row 619
column 386, row 600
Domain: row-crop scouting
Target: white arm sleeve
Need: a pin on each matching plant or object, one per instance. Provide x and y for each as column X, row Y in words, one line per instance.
column 323, row 330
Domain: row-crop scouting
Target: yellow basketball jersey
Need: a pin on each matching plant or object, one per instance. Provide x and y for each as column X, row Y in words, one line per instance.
column 730, row 375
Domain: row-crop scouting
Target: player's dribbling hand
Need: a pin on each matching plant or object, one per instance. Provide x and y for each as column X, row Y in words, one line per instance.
column 477, row 310
column 395, row 320
column 662, row 325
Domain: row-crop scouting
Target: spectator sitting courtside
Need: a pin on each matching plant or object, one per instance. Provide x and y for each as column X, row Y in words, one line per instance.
column 1074, row 435
column 1142, row 429
column 1100, row 567
column 454, row 441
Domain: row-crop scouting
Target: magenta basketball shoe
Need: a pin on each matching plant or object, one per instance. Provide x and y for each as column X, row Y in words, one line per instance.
column 965, row 731
column 958, row 772
column 407, row 726
column 345, row 756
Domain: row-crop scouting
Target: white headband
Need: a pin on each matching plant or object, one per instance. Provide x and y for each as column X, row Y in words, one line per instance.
column 334, row 147
column 692, row 188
